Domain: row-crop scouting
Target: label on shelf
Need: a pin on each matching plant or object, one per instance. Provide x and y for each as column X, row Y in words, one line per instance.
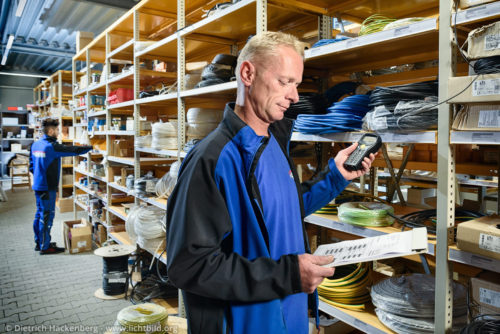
column 350, row 43
column 489, row 297
column 491, row 42
column 402, row 30
column 489, row 242
column 486, row 87
column 489, row 119
column 476, row 12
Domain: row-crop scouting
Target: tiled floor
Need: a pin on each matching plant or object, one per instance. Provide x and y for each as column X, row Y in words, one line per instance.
column 47, row 293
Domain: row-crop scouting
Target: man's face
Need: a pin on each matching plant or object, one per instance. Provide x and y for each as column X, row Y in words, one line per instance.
column 53, row 131
column 275, row 85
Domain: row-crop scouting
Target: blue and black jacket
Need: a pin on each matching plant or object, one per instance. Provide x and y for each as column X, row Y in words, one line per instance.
column 45, row 161
column 218, row 245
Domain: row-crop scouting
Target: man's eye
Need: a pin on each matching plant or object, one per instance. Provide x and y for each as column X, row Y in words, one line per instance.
column 282, row 83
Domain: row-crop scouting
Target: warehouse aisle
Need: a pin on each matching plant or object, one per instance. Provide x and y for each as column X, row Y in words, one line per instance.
column 49, row 290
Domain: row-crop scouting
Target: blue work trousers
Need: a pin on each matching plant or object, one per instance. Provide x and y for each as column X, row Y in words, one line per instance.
column 44, row 216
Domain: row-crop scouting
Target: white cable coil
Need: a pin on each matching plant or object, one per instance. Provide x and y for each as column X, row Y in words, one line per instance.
column 166, row 185
column 165, row 129
column 200, row 130
column 203, row 115
column 167, row 143
column 143, row 141
column 145, row 222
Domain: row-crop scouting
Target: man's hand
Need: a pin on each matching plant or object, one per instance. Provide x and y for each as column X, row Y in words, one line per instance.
column 311, row 272
column 342, row 157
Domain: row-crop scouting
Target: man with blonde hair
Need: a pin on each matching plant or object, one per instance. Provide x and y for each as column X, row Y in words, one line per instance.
column 237, row 245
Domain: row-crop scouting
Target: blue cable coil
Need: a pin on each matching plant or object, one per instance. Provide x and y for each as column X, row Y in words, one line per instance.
column 346, row 115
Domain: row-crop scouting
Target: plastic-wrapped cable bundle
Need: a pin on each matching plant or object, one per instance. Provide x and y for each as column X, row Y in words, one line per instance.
column 200, row 122
column 142, row 318
column 309, row 103
column 145, row 225
column 405, row 304
column 488, row 65
column 348, row 288
column 143, row 141
column 407, row 115
column 366, row 213
column 166, row 184
column 390, row 96
column 145, row 185
column 483, row 324
column 164, row 136
column 346, row 115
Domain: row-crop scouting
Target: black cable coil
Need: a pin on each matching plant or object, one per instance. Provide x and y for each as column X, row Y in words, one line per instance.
column 309, row 103
column 390, row 96
column 483, row 324
column 115, row 275
column 488, row 65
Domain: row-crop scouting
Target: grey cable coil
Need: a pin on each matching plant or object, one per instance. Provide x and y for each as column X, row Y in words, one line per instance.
column 405, row 304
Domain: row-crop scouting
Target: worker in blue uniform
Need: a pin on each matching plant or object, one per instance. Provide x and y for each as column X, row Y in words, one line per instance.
column 45, row 165
column 237, row 245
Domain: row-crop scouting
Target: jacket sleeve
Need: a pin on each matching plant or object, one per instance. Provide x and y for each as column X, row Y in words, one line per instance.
column 31, row 167
column 199, row 247
column 69, row 150
column 319, row 191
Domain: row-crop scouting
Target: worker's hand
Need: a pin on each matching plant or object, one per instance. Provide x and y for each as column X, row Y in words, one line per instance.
column 342, row 157
column 311, row 271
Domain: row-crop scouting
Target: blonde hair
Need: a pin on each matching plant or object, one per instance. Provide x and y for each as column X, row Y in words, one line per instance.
column 266, row 44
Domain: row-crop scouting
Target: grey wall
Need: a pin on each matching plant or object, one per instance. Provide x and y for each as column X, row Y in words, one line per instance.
column 16, row 91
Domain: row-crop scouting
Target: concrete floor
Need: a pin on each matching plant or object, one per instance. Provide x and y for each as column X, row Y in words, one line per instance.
column 47, row 293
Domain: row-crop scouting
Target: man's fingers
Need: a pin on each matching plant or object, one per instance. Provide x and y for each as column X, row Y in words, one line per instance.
column 325, row 272
column 350, row 149
column 321, row 260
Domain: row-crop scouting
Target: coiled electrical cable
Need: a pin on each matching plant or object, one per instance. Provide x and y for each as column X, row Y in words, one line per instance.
column 390, row 96
column 166, row 184
column 366, row 214
column 346, row 115
column 488, row 65
column 334, row 93
column 374, row 23
column 143, row 141
column 309, row 103
column 406, row 304
column 143, row 318
column 145, row 186
column 164, row 135
column 348, row 288
column 115, row 275
column 322, row 42
column 483, row 324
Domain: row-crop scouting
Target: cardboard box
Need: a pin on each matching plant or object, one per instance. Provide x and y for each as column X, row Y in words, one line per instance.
column 83, row 38
column 480, row 236
column 77, row 239
column 67, row 179
column 470, row 3
column 478, row 117
column 16, row 147
column 486, row 88
column 484, row 41
column 486, row 293
column 100, row 234
column 65, row 205
column 67, row 160
column 122, row 148
column 418, row 195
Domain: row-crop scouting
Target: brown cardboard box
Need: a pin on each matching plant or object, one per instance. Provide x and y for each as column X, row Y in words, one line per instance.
column 100, row 235
column 470, row 3
column 77, row 239
column 83, row 38
column 122, row 148
column 65, row 204
column 418, row 195
column 480, row 236
column 486, row 293
column 484, row 89
column 478, row 117
column 67, row 179
column 484, row 41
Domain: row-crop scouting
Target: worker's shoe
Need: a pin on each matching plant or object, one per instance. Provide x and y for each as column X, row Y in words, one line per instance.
column 37, row 247
column 52, row 250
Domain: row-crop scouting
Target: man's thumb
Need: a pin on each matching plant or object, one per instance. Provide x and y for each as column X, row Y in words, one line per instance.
column 351, row 148
column 321, row 260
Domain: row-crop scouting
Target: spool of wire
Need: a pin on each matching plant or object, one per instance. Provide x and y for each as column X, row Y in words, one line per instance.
column 366, row 214
column 488, row 65
column 115, row 268
column 374, row 23
column 483, row 324
column 405, row 304
column 329, row 209
column 143, row 318
column 166, row 185
column 348, row 288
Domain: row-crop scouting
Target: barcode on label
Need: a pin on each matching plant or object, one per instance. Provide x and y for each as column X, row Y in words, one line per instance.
column 489, row 297
column 486, row 87
column 491, row 42
column 489, row 242
column 489, row 119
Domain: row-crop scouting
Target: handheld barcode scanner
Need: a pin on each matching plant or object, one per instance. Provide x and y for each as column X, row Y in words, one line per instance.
column 369, row 143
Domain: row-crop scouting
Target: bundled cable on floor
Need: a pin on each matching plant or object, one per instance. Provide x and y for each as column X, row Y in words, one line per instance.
column 405, row 304
column 348, row 288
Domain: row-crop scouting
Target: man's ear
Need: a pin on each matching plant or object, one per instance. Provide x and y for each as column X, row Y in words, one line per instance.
column 247, row 73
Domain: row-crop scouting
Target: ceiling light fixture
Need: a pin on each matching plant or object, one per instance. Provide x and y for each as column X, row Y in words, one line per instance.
column 20, row 8
column 10, row 41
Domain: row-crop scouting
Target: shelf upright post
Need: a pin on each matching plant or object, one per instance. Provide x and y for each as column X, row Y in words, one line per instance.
column 443, row 312
column 59, row 106
column 107, row 126
column 73, row 83
column 137, row 108
column 87, row 107
column 181, row 106
column 261, row 16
